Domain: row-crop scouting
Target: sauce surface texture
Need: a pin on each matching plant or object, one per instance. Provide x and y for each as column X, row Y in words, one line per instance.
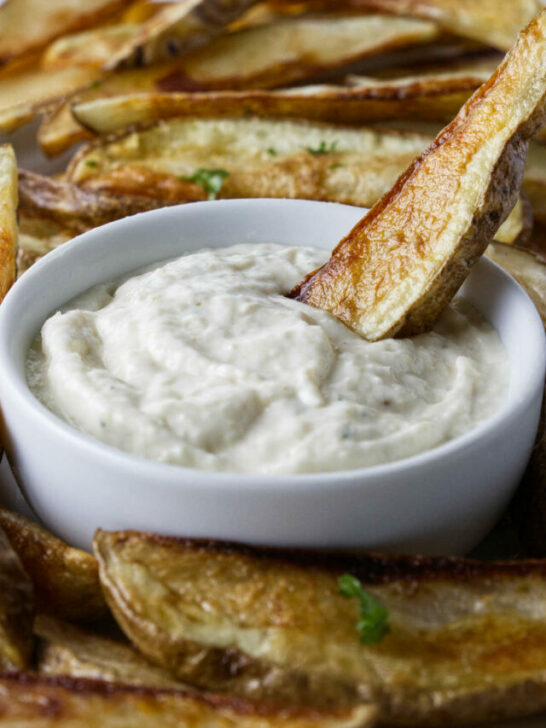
column 203, row 362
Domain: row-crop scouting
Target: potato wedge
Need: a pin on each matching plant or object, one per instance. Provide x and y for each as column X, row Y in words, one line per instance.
column 38, row 236
column 88, row 48
column 73, row 207
column 534, row 181
column 49, row 702
column 27, row 25
column 66, row 582
column 264, row 159
column 177, row 29
column 398, row 268
column 467, row 640
column 436, row 98
column 16, row 610
column 524, row 266
column 30, row 90
column 494, row 23
column 72, row 651
column 8, row 220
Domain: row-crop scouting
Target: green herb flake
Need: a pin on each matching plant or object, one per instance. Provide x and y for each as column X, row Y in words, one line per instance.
column 272, row 151
column 91, row 163
column 322, row 148
column 211, row 180
column 337, row 165
column 373, row 624
column 95, row 84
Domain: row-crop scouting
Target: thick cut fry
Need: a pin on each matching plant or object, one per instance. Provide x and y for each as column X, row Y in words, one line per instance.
column 73, row 207
column 436, row 98
column 43, row 702
column 28, row 91
column 16, row 610
column 524, row 266
column 8, row 220
column 27, row 25
column 494, row 22
column 89, row 48
column 37, row 236
column 66, row 582
column 401, row 265
column 534, row 181
column 179, row 28
column 467, row 640
column 68, row 650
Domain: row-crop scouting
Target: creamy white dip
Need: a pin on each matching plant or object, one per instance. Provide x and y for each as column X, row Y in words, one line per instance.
column 203, row 362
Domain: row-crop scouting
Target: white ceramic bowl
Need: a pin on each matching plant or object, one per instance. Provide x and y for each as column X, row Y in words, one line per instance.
column 442, row 501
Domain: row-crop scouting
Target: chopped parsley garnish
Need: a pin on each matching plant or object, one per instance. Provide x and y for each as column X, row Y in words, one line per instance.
column 95, row 84
column 271, row 150
column 211, row 180
column 91, row 163
column 322, row 148
column 373, row 624
column 336, row 165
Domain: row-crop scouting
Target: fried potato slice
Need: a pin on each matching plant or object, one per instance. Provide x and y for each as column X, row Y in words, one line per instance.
column 495, row 23
column 534, row 181
column 49, row 702
column 525, row 267
column 28, row 25
column 38, row 236
column 398, row 268
column 30, row 90
column 66, row 581
column 16, row 610
column 264, row 159
column 88, row 48
column 72, row 651
column 73, row 207
column 8, row 219
column 436, row 98
column 177, row 29
column 467, row 640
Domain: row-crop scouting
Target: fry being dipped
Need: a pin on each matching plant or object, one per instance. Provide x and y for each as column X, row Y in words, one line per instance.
column 395, row 272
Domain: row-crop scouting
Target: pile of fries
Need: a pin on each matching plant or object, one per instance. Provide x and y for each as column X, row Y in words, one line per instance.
column 161, row 103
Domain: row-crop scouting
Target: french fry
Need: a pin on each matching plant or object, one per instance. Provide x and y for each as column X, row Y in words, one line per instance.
column 467, row 640
column 177, row 29
column 401, row 265
column 493, row 22
column 66, row 582
column 49, row 702
column 436, row 98
column 65, row 649
column 89, row 48
column 16, row 610
column 28, row 25
column 8, row 220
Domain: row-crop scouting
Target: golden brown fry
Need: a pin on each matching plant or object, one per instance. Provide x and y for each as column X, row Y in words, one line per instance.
column 8, row 220
column 68, row 650
column 43, row 702
column 73, row 207
column 435, row 98
column 534, row 181
column 494, row 22
column 525, row 267
column 30, row 90
column 37, row 236
column 16, row 610
column 28, row 25
column 467, row 640
column 88, row 48
column 65, row 579
column 518, row 226
column 177, row 29
column 401, row 265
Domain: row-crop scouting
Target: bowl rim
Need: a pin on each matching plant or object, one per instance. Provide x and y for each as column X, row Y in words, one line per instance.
column 170, row 474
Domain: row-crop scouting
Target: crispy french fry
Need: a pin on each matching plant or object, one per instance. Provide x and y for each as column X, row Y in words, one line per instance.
column 49, row 702
column 16, row 610
column 88, row 48
column 28, row 25
column 68, row 650
column 177, row 29
column 534, row 181
column 435, row 98
column 38, row 236
column 8, row 220
column 494, row 22
column 467, row 640
column 401, row 265
column 66, row 582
